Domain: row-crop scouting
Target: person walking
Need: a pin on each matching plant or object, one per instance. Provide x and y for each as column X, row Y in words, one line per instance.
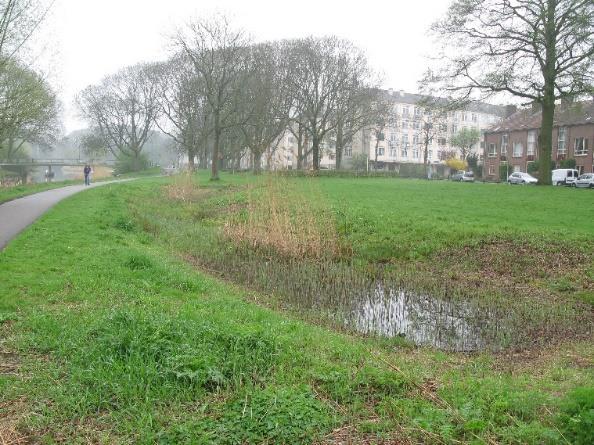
column 87, row 172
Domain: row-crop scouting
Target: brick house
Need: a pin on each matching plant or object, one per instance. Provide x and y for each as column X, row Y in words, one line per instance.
column 513, row 142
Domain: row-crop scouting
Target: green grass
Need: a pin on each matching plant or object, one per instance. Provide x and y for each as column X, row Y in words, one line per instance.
column 10, row 193
column 108, row 337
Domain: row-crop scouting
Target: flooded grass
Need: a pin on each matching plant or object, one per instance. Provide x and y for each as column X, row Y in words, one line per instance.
column 285, row 238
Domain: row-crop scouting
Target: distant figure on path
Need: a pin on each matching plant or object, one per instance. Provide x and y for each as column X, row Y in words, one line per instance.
column 87, row 172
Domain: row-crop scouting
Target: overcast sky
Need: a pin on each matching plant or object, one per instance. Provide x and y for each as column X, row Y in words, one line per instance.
column 97, row 37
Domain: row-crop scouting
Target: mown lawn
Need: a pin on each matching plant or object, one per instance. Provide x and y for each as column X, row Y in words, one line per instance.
column 106, row 336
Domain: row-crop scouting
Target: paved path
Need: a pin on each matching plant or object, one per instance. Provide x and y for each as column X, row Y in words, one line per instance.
column 18, row 214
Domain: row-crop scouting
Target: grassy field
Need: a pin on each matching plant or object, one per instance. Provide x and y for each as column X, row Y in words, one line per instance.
column 109, row 335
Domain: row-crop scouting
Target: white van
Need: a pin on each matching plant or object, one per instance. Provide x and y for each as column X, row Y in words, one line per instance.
column 564, row 176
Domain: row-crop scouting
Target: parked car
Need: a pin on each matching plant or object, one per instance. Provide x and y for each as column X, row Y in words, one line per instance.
column 463, row 176
column 586, row 180
column 564, row 176
column 521, row 178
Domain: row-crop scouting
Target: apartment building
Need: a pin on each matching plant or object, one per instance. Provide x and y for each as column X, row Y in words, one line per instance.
column 514, row 142
column 402, row 140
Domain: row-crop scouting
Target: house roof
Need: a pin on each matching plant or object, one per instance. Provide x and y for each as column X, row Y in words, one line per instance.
column 578, row 113
column 400, row 96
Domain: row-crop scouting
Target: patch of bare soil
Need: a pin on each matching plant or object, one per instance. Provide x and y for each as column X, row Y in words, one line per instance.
column 11, row 414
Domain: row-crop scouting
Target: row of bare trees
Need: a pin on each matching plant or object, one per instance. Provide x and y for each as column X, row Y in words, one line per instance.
column 29, row 108
column 220, row 95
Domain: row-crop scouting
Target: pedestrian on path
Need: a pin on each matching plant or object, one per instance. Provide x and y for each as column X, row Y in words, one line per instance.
column 87, row 172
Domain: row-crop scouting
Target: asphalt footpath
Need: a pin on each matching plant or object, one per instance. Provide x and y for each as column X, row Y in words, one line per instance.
column 18, row 214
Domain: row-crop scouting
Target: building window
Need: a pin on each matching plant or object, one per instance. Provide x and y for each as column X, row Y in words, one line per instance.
column 404, row 125
column 492, row 150
column 348, row 152
column 443, row 127
column 393, row 136
column 416, row 125
column 418, row 111
column 504, row 143
column 474, row 117
column 415, row 152
column 429, row 154
column 441, row 141
column 581, row 146
column 404, row 111
column 531, row 149
column 561, row 145
column 380, row 151
column 518, row 150
column 454, row 129
column 415, row 139
column 404, row 151
column 393, row 151
column 464, row 117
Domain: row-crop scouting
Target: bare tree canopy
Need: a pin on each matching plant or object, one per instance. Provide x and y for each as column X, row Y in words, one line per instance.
column 19, row 19
column 465, row 139
column 218, row 53
column 265, row 100
column 183, row 108
column 539, row 50
column 28, row 110
column 322, row 72
column 122, row 109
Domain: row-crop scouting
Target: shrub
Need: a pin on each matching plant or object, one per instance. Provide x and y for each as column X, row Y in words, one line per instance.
column 567, row 163
column 127, row 164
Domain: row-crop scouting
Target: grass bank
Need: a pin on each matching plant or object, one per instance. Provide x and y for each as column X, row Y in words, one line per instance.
column 107, row 337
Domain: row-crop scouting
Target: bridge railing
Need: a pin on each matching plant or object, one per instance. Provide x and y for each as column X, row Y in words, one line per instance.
column 47, row 162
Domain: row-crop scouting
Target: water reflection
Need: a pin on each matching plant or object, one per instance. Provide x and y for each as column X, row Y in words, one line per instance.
column 450, row 325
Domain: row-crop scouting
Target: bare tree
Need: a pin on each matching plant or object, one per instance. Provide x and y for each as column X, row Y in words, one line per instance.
column 19, row 20
column 265, row 102
column 465, row 139
column 122, row 110
column 29, row 110
column 538, row 50
column 218, row 55
column 383, row 116
column 321, row 73
column 183, row 108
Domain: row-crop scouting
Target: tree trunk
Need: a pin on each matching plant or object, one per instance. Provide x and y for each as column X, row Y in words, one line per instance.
column 426, row 157
column 191, row 163
column 257, row 162
column 214, row 175
column 376, row 150
column 339, row 147
column 548, row 101
column 316, row 153
column 546, row 142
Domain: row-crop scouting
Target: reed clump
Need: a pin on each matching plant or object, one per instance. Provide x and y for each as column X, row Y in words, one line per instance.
column 286, row 221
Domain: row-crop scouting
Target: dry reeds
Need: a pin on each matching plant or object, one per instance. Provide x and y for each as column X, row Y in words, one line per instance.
column 289, row 222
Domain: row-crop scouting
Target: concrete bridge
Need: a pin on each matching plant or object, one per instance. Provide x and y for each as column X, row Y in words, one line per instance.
column 38, row 162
